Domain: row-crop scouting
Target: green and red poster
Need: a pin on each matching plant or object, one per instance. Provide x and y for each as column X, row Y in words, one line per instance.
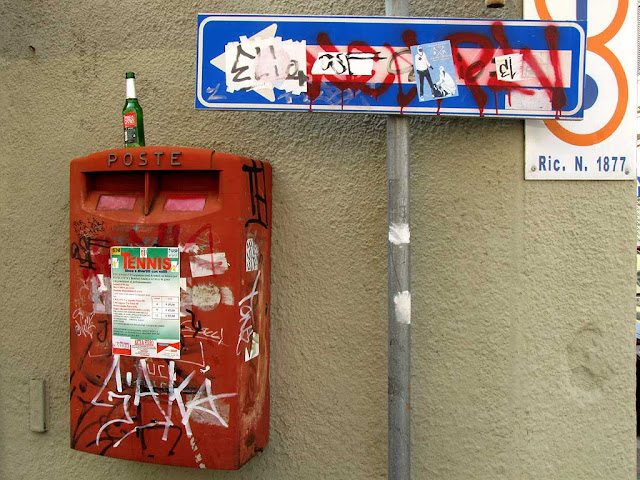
column 145, row 296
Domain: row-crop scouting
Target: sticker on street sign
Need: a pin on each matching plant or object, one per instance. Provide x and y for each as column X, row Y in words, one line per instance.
column 391, row 65
column 603, row 145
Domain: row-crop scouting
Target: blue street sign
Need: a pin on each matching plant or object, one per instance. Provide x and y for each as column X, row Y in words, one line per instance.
column 423, row 66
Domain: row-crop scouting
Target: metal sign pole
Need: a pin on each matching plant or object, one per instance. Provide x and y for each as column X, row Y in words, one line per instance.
column 399, row 286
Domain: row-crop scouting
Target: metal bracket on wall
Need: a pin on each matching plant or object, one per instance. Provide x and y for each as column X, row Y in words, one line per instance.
column 39, row 405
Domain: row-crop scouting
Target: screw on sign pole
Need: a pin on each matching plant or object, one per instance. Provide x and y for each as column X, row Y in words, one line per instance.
column 399, row 286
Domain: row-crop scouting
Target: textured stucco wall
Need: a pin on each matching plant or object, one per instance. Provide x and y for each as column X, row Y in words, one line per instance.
column 522, row 291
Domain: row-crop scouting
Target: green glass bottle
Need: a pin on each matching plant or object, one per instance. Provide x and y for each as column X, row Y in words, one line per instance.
column 132, row 115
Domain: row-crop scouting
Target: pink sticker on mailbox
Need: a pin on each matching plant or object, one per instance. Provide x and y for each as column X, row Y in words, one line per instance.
column 116, row 202
column 190, row 203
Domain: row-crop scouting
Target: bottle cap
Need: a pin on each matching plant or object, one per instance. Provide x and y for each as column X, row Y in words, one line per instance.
column 129, row 75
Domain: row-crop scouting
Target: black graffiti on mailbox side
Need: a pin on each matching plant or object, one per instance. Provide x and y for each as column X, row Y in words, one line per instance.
column 88, row 228
column 81, row 250
column 197, row 326
column 258, row 193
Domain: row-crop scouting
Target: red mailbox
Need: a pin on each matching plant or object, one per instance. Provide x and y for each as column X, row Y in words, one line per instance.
column 169, row 306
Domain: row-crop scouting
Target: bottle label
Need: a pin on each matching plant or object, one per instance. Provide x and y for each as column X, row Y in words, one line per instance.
column 130, row 136
column 130, row 120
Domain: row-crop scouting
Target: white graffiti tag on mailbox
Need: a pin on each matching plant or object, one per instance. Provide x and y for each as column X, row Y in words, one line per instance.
column 246, row 316
column 204, row 398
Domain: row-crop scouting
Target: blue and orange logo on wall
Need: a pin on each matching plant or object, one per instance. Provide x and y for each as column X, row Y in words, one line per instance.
column 596, row 44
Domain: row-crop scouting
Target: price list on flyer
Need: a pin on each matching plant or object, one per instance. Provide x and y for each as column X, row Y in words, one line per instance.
column 145, row 296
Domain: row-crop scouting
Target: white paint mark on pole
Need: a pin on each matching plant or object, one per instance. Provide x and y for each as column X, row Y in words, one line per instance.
column 399, row 234
column 402, row 301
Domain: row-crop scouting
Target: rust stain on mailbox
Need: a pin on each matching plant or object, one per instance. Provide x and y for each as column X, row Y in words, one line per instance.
column 207, row 404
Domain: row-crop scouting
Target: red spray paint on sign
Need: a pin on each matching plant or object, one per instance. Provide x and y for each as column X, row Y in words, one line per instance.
column 470, row 72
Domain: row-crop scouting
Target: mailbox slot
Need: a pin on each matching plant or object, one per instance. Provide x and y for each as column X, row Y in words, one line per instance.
column 166, row 190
